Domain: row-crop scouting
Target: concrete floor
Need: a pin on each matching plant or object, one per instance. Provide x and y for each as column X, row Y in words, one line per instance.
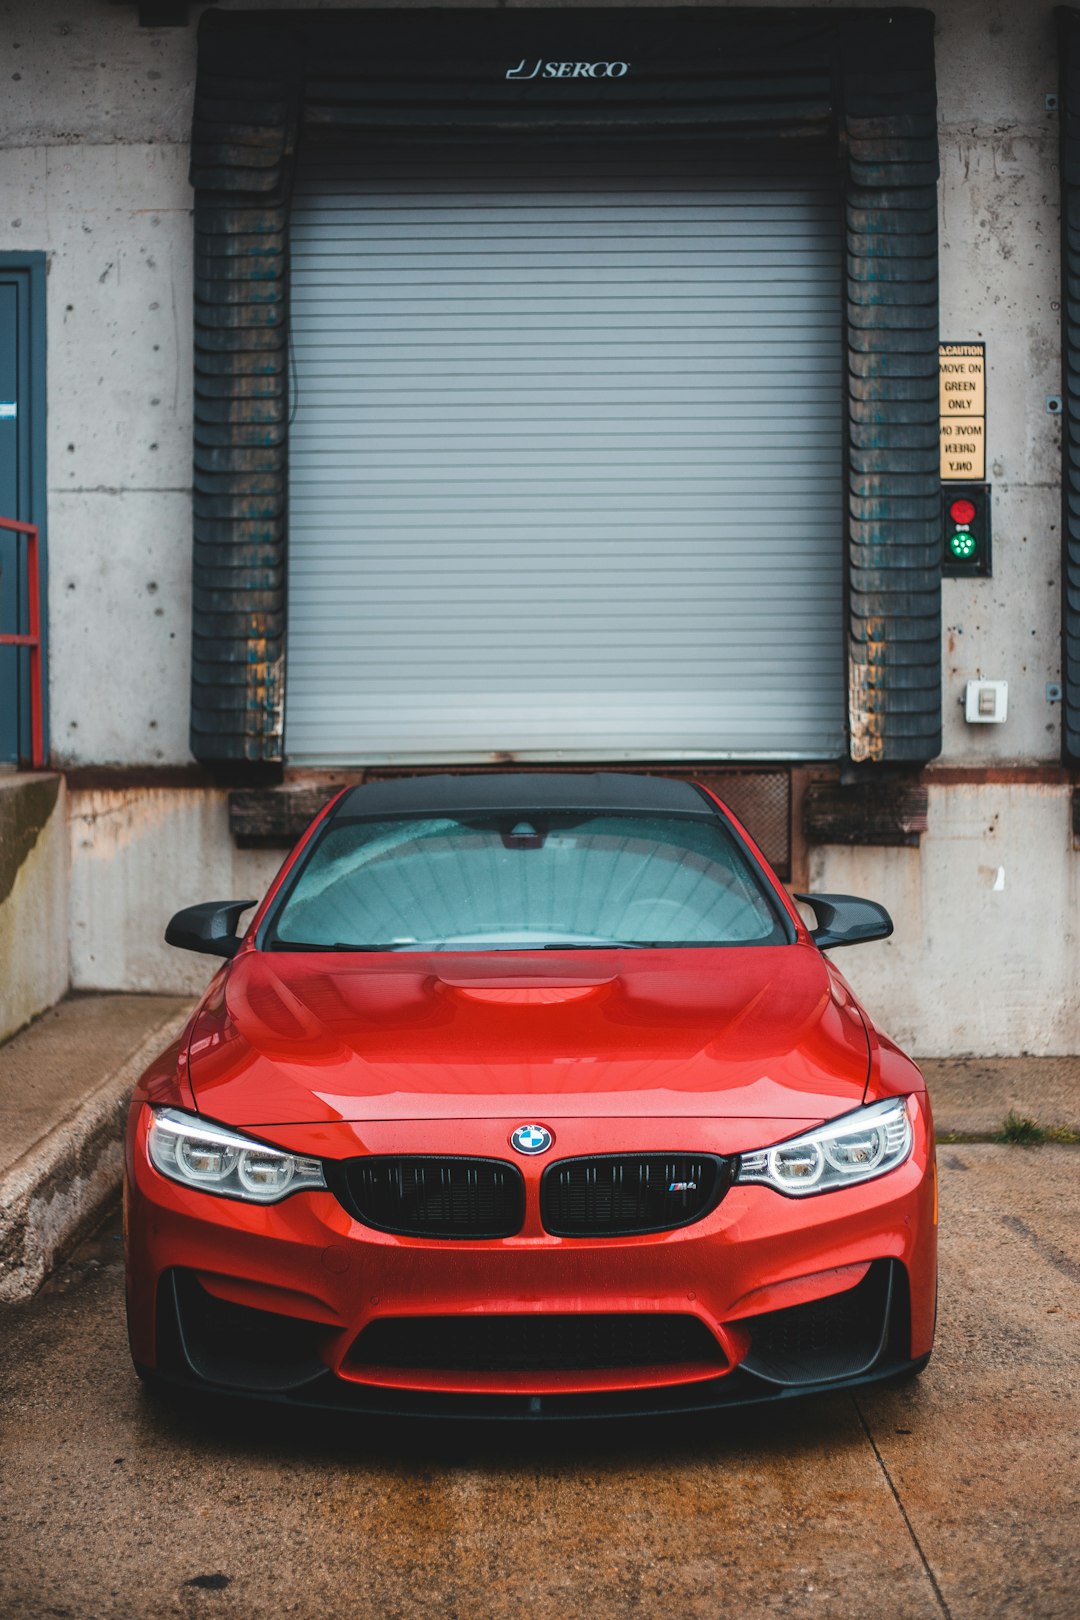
column 49, row 1068
column 955, row 1497
column 972, row 1096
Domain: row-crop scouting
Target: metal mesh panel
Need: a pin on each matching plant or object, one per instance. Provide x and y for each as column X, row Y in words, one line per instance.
column 538, row 1343
column 762, row 802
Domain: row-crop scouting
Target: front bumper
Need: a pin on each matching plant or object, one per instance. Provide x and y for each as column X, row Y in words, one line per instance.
column 774, row 1296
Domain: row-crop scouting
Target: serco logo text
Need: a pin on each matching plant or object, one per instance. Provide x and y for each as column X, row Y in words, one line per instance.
column 568, row 70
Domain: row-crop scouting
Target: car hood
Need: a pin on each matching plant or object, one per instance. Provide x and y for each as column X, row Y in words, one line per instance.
column 739, row 1033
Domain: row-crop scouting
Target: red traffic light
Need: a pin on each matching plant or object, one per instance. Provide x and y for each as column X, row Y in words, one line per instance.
column 962, row 511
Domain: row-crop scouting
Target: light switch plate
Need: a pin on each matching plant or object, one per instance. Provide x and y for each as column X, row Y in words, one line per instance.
column 986, row 703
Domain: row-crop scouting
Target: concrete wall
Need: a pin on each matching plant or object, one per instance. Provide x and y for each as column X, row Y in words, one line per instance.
column 983, row 958
column 136, row 857
column 93, row 133
column 94, row 123
column 34, row 968
column 987, row 916
column 1000, row 281
column 93, row 147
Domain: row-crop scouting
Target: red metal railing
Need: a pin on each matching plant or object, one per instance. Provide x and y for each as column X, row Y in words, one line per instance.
column 32, row 639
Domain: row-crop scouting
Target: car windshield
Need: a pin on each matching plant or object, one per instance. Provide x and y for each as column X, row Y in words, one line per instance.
column 549, row 880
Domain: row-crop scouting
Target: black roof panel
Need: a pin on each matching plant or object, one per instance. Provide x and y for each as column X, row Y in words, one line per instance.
column 521, row 791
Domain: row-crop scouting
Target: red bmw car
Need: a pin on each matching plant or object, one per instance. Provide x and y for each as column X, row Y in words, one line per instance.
column 529, row 1096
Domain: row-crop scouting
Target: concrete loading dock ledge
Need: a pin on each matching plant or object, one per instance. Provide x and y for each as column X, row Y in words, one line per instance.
column 64, row 1089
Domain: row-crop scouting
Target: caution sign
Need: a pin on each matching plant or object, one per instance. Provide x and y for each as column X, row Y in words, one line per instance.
column 962, row 395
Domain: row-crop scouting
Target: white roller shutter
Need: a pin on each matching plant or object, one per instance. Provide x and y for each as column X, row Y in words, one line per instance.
column 566, row 457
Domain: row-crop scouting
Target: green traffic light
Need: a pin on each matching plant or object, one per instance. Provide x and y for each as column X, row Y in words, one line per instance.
column 963, row 543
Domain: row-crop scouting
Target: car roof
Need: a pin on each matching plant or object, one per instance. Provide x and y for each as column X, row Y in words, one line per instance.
column 522, row 791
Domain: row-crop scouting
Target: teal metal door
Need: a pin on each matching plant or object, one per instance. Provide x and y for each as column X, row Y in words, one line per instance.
column 22, row 476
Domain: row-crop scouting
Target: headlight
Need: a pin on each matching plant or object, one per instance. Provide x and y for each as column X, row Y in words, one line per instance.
column 867, row 1143
column 216, row 1160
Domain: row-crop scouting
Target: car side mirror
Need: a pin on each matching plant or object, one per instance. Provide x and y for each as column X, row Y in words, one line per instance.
column 844, row 919
column 209, row 927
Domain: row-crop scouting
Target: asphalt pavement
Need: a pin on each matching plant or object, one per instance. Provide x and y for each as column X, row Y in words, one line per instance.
column 956, row 1496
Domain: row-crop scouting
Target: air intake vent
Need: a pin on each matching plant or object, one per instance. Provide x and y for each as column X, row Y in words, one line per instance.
column 432, row 1196
column 837, row 1337
column 540, row 1343
column 618, row 1195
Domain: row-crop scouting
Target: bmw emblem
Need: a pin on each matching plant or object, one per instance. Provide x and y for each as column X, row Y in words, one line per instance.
column 531, row 1139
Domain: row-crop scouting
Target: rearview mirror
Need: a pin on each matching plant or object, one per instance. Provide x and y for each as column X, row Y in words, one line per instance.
column 209, row 927
column 844, row 919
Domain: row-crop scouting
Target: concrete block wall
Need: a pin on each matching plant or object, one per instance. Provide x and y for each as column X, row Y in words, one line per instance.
column 94, row 128
column 34, row 954
column 136, row 857
column 1000, row 270
column 987, row 919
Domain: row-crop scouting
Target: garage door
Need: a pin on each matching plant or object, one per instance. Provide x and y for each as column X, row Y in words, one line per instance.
column 566, row 455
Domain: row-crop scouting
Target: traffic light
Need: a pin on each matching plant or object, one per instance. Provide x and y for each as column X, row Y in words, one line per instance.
column 965, row 512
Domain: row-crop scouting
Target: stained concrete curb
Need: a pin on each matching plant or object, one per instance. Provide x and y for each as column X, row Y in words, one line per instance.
column 52, row 1195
